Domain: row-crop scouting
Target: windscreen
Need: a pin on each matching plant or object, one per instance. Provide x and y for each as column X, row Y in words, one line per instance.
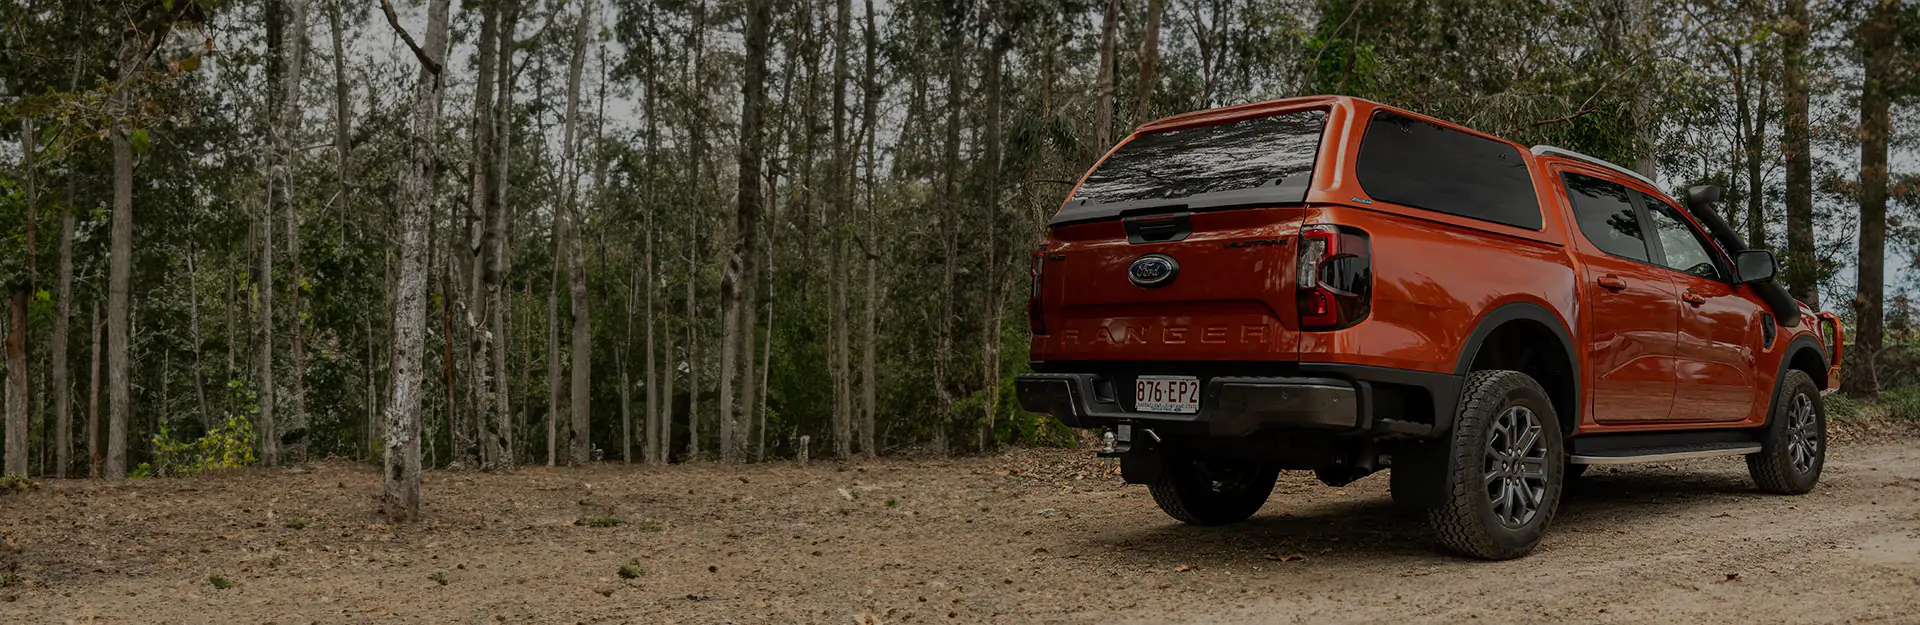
column 1259, row 161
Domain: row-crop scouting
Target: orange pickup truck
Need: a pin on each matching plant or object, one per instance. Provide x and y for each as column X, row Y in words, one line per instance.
column 1334, row 285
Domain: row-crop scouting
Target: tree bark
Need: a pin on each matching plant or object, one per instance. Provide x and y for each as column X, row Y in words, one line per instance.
column 1802, row 273
column 1149, row 61
column 400, row 498
column 1103, row 111
column 842, row 190
column 579, row 407
column 120, row 269
column 991, row 310
column 1875, row 38
column 93, row 400
column 17, row 438
column 869, row 108
column 294, row 431
column 501, row 445
column 62, row 327
column 482, row 386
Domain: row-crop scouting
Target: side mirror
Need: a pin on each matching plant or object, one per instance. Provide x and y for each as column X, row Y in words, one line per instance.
column 1753, row 266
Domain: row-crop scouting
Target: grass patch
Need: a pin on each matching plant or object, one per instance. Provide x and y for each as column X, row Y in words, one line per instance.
column 20, row 483
column 893, row 503
column 597, row 521
column 9, row 579
column 631, row 571
column 219, row 581
column 439, row 577
column 653, row 526
column 296, row 523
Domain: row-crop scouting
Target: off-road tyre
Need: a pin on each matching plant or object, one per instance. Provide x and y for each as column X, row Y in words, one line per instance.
column 1506, row 439
column 1794, row 446
column 1212, row 491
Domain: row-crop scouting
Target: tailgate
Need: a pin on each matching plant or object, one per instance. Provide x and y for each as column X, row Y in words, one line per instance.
column 1230, row 298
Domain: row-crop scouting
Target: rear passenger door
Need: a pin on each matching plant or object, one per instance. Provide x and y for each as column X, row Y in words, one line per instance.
column 1632, row 310
column 1719, row 327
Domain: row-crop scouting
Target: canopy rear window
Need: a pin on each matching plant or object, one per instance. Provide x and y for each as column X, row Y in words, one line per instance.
column 1413, row 162
column 1260, row 161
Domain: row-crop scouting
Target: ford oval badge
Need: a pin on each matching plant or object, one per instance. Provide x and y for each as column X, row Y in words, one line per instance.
column 1153, row 271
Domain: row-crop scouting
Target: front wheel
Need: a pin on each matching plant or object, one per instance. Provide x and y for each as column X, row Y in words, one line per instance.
column 1506, row 466
column 1215, row 491
column 1795, row 446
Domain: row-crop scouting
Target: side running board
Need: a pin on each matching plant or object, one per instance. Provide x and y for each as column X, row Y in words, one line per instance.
column 1663, row 446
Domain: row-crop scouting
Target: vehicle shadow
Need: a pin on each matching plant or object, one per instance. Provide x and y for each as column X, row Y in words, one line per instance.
column 1365, row 524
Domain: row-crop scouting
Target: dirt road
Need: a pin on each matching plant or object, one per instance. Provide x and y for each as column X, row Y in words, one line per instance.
column 1026, row 537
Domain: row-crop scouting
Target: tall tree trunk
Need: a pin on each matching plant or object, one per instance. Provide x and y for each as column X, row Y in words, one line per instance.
column 93, row 400
column 1149, row 61
column 655, row 451
column 342, row 112
column 294, row 435
column 950, row 211
column 482, row 387
column 842, row 190
column 1755, row 130
column 663, row 447
column 1103, row 110
column 696, row 39
column 269, row 433
column 1875, row 38
column 1802, row 274
column 400, row 497
column 992, row 272
column 741, row 267
column 17, row 438
column 554, row 370
column 575, row 254
column 193, row 311
column 120, row 269
column 62, row 326
column 870, row 107
column 502, row 444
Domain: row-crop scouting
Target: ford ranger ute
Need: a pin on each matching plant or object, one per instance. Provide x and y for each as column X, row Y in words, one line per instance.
column 1334, row 285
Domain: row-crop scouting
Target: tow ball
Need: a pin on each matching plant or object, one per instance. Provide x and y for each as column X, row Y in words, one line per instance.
column 1116, row 440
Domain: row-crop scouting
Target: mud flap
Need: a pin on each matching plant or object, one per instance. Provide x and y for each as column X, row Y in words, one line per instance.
column 1142, row 465
column 1419, row 475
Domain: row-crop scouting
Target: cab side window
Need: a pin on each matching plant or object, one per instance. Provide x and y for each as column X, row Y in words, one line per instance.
column 1684, row 250
column 1605, row 213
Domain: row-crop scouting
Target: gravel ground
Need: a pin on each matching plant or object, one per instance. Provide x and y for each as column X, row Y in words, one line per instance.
column 1024, row 537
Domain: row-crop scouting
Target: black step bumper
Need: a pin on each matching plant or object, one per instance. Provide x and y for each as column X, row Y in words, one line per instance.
column 1343, row 399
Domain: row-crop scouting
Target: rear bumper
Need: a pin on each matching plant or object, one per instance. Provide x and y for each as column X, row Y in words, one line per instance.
column 1327, row 398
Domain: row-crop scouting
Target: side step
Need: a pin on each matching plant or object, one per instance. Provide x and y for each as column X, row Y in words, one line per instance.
column 1663, row 446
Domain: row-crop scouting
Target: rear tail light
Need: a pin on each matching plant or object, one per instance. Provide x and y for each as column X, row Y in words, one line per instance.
column 1036, row 322
column 1334, row 277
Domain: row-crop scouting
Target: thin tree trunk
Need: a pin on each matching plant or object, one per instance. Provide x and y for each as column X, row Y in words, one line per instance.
column 1756, row 136
column 554, row 372
column 950, row 214
column 93, row 400
column 1876, row 41
column 269, row 434
column 1103, row 111
column 1802, row 274
column 1149, row 61
column 17, row 438
column 580, row 407
column 62, row 326
column 120, row 269
column 400, row 498
column 502, row 444
column 663, row 448
column 990, row 204
column 840, row 205
column 193, row 310
column 482, row 386
column 870, row 336
column 295, row 428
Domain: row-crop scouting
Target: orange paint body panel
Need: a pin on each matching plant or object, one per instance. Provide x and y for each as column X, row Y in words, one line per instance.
column 1654, row 348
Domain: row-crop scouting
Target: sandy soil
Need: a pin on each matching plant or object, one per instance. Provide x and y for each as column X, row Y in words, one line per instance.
column 1025, row 537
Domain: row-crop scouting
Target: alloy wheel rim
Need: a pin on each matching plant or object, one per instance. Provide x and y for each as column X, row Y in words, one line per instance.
column 1803, row 434
column 1515, row 468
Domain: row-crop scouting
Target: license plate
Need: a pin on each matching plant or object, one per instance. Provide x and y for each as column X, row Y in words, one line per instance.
column 1167, row 393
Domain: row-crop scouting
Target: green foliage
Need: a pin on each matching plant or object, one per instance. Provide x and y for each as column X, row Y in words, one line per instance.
column 229, row 445
column 219, row 581
column 16, row 484
column 652, row 526
column 296, row 523
column 1902, row 403
column 597, row 521
column 439, row 577
column 631, row 571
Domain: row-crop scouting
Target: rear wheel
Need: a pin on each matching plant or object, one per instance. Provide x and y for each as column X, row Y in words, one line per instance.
column 1213, row 491
column 1795, row 445
column 1505, row 468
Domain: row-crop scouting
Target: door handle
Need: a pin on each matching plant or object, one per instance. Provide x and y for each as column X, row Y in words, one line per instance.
column 1691, row 296
column 1611, row 282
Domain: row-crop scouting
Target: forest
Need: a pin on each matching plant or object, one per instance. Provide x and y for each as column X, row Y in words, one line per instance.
column 497, row 233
